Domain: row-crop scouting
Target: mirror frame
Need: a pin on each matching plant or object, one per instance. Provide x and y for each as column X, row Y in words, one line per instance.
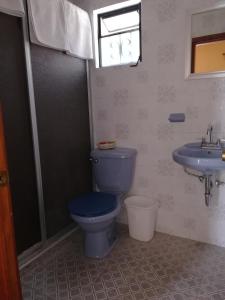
column 188, row 46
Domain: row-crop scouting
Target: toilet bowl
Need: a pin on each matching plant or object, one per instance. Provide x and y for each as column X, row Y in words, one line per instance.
column 96, row 212
column 99, row 228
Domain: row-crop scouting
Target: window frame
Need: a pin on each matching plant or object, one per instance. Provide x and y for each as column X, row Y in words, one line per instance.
column 113, row 13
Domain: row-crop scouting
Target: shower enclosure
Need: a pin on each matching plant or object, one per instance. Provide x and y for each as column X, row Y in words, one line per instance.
column 15, row 104
column 45, row 110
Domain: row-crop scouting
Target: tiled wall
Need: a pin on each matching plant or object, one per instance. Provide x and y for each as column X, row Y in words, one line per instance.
column 132, row 105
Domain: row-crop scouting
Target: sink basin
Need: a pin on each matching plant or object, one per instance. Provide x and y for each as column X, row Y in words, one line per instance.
column 193, row 156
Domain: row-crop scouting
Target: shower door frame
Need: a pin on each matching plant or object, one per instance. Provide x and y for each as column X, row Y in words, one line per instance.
column 34, row 128
column 31, row 98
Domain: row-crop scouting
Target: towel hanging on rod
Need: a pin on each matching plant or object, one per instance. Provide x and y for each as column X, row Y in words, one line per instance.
column 79, row 32
column 47, row 23
column 60, row 25
column 12, row 7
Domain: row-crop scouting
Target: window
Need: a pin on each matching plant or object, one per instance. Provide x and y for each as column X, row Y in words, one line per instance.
column 119, row 36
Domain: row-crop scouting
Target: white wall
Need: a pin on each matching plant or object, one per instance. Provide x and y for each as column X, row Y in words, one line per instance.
column 132, row 105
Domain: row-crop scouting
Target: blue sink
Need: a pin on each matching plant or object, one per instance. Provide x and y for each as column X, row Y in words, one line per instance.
column 193, row 156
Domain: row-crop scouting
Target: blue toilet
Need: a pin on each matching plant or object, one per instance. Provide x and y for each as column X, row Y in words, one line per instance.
column 95, row 212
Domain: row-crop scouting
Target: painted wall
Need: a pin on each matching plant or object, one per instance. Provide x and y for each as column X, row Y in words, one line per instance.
column 132, row 105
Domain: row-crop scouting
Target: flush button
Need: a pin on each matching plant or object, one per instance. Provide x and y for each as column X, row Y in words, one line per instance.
column 93, row 160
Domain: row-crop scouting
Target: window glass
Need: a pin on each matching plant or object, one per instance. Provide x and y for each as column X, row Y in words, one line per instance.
column 119, row 23
column 120, row 49
column 119, row 36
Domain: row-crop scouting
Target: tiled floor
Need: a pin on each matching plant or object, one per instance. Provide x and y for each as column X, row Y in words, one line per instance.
column 165, row 268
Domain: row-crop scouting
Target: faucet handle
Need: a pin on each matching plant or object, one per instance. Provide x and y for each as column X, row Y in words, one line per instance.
column 221, row 143
column 203, row 141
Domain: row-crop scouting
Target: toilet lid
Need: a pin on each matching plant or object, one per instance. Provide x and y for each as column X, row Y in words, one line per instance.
column 93, row 204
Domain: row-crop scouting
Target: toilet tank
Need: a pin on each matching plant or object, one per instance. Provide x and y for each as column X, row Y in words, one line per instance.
column 113, row 169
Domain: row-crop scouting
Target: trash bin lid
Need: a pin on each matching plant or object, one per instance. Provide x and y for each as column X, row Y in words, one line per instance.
column 93, row 204
column 140, row 202
column 114, row 153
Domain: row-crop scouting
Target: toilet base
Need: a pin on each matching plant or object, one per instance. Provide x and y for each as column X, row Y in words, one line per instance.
column 99, row 244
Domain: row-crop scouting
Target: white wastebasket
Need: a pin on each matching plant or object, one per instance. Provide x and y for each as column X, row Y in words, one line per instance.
column 142, row 213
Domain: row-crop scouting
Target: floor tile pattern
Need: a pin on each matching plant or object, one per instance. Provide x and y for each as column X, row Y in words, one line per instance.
column 167, row 268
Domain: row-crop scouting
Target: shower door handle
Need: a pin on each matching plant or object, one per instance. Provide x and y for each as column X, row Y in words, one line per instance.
column 4, row 179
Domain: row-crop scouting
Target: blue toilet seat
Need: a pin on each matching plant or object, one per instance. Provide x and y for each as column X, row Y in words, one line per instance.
column 93, row 204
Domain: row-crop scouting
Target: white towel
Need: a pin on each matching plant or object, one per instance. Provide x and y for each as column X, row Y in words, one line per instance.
column 47, row 23
column 60, row 25
column 12, row 7
column 79, row 33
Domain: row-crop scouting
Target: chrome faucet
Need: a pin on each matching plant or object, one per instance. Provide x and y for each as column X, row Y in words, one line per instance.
column 209, row 144
column 209, row 133
column 219, row 144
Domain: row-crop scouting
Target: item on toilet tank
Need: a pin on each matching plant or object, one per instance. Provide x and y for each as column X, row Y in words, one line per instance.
column 104, row 145
column 177, row 117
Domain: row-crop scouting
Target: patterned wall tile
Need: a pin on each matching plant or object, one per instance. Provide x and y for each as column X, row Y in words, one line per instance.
column 133, row 104
column 143, row 149
column 143, row 182
column 142, row 114
column 166, row 94
column 102, row 115
column 143, row 76
column 165, row 132
column 122, row 131
column 165, row 167
column 166, row 53
column 218, row 127
column 146, row 38
column 165, row 201
column 190, row 223
column 190, row 188
column 121, row 97
column 217, row 90
column 166, row 10
column 100, row 81
column 217, row 214
column 192, row 112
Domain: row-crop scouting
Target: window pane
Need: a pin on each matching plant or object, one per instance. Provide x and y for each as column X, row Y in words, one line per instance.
column 120, row 49
column 110, row 51
column 119, row 23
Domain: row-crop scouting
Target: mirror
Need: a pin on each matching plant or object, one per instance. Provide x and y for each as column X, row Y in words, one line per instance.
column 208, row 42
